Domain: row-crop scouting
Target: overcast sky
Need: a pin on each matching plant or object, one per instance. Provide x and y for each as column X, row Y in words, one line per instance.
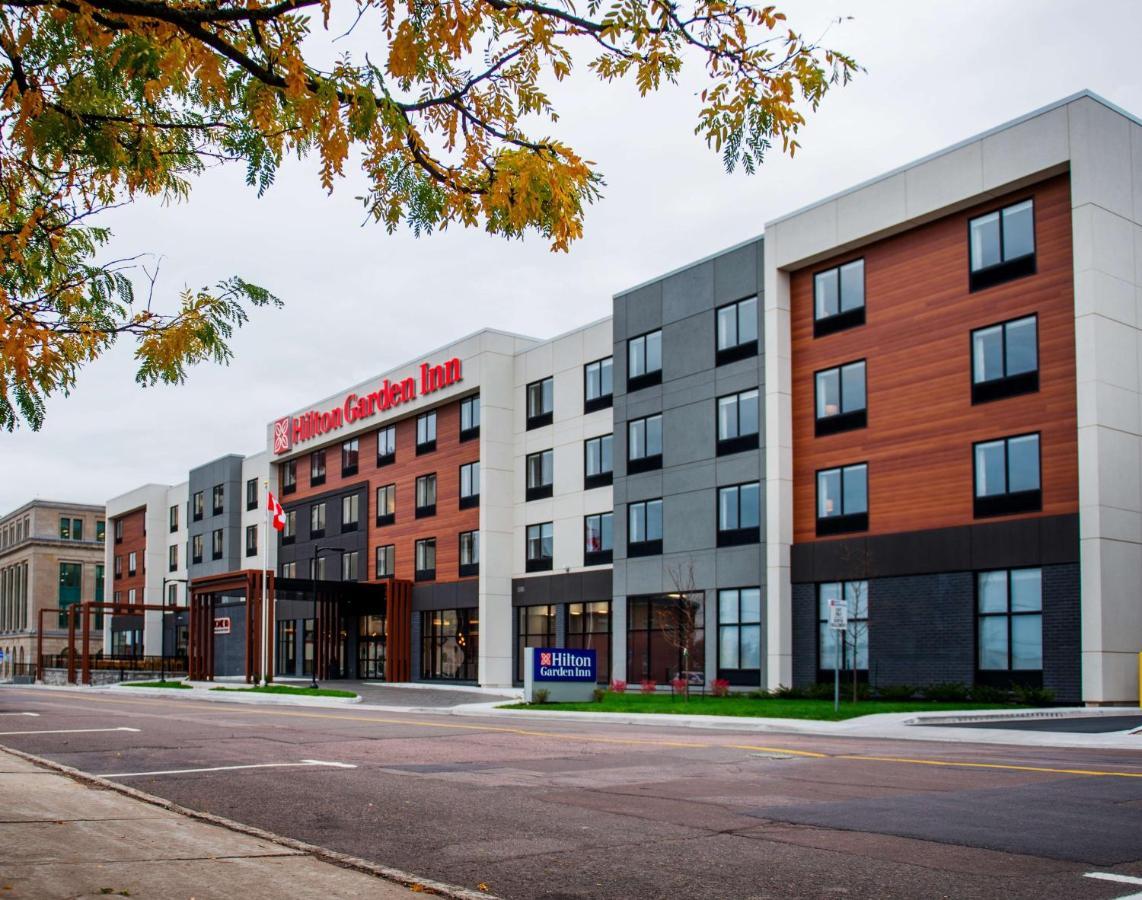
column 359, row 301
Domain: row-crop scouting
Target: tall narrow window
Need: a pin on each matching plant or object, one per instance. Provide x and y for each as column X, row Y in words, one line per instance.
column 1007, row 476
column 737, row 331
column 854, row 640
column 251, row 494
column 738, row 422
column 739, row 514
column 195, row 550
column 317, row 467
column 132, row 564
column 469, row 553
column 540, row 469
column 1002, row 245
column 540, row 403
column 349, row 565
column 1005, row 360
column 386, row 561
column 65, row 528
column 644, row 528
column 599, row 461
column 198, row 504
column 386, row 504
column 469, row 418
column 589, row 628
column 216, row 544
column 172, row 558
column 842, row 499
column 644, row 360
column 251, row 540
column 426, row 432
column 289, row 533
column 350, row 512
column 77, row 529
column 387, row 446
column 1010, row 626
column 425, row 559
column 540, row 547
column 317, row 520
column 426, row 496
column 739, row 634
column 101, row 529
column 841, row 398
column 598, row 385
column 599, row 537
column 218, row 496
column 70, row 585
column 350, row 457
column 838, row 298
column 644, row 444
column 535, row 627
column 470, row 485
column 289, row 476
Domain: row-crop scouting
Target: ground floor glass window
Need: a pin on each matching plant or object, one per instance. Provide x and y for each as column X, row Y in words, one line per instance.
column 739, row 631
column 1010, row 620
column 589, row 628
column 854, row 641
column 287, row 647
column 450, row 644
column 535, row 627
column 655, row 626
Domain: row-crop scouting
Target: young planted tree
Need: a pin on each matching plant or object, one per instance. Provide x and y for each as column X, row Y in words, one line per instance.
column 102, row 101
column 680, row 617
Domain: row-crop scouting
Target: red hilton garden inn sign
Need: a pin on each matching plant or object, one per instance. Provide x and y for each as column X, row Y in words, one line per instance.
column 290, row 431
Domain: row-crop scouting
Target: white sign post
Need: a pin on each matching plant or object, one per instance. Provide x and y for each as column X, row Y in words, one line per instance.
column 839, row 623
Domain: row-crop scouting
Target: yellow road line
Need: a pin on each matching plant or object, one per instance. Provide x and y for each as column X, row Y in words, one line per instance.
column 808, row 753
column 976, row 765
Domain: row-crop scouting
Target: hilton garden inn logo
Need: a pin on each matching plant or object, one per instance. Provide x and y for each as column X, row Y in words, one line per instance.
column 566, row 665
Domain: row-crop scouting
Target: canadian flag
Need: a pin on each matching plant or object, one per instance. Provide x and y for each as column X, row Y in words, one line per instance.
column 276, row 510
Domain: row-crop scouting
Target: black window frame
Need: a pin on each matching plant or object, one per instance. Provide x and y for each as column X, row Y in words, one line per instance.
column 604, row 555
column 197, row 549
column 602, row 401
column 839, row 421
column 172, row 518
column 348, row 525
column 352, row 557
column 543, row 490
column 1006, row 269
column 198, row 505
column 218, row 499
column 648, row 377
column 472, row 431
column 385, row 549
column 649, row 547
column 252, row 530
column 842, row 319
column 118, row 531
column 386, row 459
column 424, row 574
column 842, row 523
column 350, row 456
column 470, row 569
column 738, row 675
column 735, row 537
column 540, row 563
column 318, row 532
column 740, row 442
column 1010, row 502
column 546, row 417
column 602, row 478
column 649, row 462
column 172, row 558
column 289, row 476
column 317, row 468
column 742, row 349
column 132, row 563
column 429, row 443
column 524, row 635
column 251, row 494
column 1005, row 385
column 849, row 645
column 428, row 509
column 289, row 530
column 471, row 500
column 1006, row 678
column 217, row 544
column 386, row 518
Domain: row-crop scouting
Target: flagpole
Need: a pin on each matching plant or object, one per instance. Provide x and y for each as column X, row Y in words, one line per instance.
column 265, row 579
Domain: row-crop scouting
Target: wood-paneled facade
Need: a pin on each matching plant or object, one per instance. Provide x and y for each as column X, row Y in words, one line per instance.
column 134, row 541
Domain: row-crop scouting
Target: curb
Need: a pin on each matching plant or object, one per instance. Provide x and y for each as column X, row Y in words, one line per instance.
column 344, row 860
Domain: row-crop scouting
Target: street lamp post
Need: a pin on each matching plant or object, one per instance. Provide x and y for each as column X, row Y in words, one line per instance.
column 317, row 551
column 163, row 628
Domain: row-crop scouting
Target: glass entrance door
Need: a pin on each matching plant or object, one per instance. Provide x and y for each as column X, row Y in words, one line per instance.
column 371, row 648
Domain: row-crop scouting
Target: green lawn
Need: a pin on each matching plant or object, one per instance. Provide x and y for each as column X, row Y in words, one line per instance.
column 288, row 689
column 765, row 707
column 176, row 685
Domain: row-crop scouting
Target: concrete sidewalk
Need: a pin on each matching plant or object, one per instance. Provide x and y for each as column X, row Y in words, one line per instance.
column 64, row 836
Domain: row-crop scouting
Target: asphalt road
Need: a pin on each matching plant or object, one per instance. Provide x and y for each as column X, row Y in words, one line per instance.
column 537, row 808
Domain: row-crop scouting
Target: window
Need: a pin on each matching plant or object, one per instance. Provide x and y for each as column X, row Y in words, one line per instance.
column 599, row 539
column 469, row 418
column 216, row 544
column 172, row 595
column 540, row 540
column 289, row 569
column 118, row 531
column 644, row 361
column 535, row 627
column 540, row 474
column 540, row 403
column 65, row 529
column 317, row 520
column 470, row 485
column 737, row 331
column 387, row 504
column 1007, row 476
column 199, row 505
column 77, row 529
column 217, row 498
column 101, row 530
column 70, row 585
column 289, row 532
column 195, row 549
column 425, row 496
column 599, row 461
column 1010, row 626
column 350, row 512
column 252, row 494
column 350, row 456
column 426, row 559
column 132, row 594
column 739, row 635
column 1005, row 360
column 251, row 540
column 469, row 553
column 853, row 642
column 589, row 628
column 738, row 422
column 174, row 518
column 132, row 563
column 118, row 567
column 644, row 444
column 426, row 433
column 99, row 595
column 386, row 561
column 287, row 647
column 649, row 653
column 841, row 399
column 172, row 558
column 842, row 499
column 317, row 467
column 644, row 528
column 450, row 644
column 598, row 385
column 739, row 514
column 318, row 568
column 308, row 645
column 1002, row 245
column 289, row 476
column 838, row 298
column 387, row 446
column 349, row 565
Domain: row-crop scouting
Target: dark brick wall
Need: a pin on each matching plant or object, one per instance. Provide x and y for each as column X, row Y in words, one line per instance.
column 922, row 630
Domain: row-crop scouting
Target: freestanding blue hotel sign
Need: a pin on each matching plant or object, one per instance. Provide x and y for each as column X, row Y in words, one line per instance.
column 565, row 674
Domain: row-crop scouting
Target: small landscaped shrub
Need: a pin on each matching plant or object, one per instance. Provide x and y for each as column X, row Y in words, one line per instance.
column 720, row 687
column 648, row 686
column 947, row 692
column 1033, row 696
column 598, row 694
column 540, row 695
column 822, row 690
column 619, row 687
column 898, row 693
column 781, row 692
column 988, row 693
column 678, row 685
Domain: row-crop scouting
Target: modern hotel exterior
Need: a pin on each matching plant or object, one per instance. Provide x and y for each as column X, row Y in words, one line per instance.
column 922, row 395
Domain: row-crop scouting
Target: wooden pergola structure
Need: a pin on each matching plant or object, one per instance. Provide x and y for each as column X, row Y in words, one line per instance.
column 203, row 599
column 79, row 624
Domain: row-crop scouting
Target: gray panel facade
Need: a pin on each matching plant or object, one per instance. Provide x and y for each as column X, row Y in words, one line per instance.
column 683, row 305
column 227, row 472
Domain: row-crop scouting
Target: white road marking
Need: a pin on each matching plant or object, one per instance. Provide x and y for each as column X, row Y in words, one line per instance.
column 1121, row 879
column 67, row 731
column 19, row 714
column 284, row 765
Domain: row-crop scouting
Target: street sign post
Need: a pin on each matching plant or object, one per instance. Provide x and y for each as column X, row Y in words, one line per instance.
column 839, row 623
